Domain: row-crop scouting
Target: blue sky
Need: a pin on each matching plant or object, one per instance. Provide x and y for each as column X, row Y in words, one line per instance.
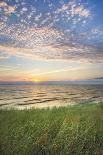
column 48, row 40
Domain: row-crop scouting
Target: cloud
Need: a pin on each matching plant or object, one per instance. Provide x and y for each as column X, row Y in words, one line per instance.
column 80, row 10
column 24, row 9
column 49, row 35
column 59, row 71
column 7, row 8
column 73, row 13
column 3, row 55
column 53, row 45
column 73, row 8
column 99, row 78
column 3, row 4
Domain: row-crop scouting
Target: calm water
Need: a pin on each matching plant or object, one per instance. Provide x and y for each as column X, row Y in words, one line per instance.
column 48, row 95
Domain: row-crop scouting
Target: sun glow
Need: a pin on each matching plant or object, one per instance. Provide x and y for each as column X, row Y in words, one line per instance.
column 36, row 80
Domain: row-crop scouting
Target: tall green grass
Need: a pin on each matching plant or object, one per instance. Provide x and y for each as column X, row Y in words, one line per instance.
column 76, row 130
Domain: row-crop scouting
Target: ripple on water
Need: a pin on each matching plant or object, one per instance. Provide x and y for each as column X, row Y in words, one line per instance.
column 28, row 96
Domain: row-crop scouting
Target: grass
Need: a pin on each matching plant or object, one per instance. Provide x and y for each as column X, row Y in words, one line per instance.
column 76, row 130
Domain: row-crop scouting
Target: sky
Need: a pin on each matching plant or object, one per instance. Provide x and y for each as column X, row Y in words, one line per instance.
column 51, row 40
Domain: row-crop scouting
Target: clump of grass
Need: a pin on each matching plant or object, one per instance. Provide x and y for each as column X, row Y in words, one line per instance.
column 76, row 130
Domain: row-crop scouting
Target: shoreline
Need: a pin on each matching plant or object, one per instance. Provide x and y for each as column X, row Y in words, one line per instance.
column 48, row 105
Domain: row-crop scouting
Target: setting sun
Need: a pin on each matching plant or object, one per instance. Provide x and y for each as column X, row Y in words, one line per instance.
column 36, row 80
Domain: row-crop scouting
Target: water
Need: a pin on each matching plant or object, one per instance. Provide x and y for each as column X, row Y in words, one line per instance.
column 39, row 96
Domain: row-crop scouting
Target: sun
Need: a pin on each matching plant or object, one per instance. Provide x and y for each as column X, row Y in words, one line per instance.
column 36, row 80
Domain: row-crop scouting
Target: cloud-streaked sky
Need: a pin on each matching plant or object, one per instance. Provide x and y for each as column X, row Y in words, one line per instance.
column 49, row 40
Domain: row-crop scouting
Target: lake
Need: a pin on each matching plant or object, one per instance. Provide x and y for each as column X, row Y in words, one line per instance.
column 41, row 96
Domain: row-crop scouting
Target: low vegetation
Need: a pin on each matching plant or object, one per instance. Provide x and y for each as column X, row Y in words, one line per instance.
column 73, row 130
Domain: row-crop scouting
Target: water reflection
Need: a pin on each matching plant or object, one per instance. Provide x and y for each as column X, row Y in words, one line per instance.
column 48, row 95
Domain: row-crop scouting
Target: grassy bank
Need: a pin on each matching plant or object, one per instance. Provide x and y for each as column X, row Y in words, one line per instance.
column 74, row 130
